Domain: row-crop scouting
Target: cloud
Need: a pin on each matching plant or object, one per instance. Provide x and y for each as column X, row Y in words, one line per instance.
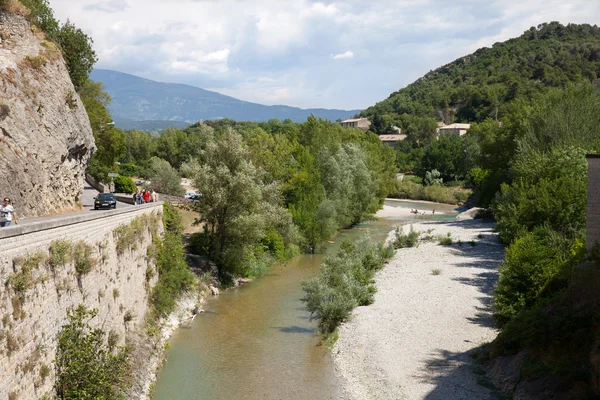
column 109, row 6
column 343, row 56
column 274, row 51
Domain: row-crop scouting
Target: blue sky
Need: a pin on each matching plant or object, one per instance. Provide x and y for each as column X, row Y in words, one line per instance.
column 333, row 54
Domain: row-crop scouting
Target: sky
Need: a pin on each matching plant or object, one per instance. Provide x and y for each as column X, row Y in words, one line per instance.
column 333, row 54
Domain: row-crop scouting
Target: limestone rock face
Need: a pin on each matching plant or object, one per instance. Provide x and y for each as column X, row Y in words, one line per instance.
column 46, row 139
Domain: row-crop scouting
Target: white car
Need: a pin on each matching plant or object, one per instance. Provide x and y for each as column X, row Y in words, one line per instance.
column 188, row 195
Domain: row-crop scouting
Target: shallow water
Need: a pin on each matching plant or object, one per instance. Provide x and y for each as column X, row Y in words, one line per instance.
column 256, row 341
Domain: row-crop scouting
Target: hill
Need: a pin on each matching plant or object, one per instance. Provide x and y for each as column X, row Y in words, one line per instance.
column 145, row 104
column 480, row 85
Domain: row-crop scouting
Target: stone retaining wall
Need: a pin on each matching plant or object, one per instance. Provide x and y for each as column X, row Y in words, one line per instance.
column 593, row 205
column 118, row 284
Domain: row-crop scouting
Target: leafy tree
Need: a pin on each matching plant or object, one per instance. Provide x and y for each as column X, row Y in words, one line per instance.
column 164, row 178
column 86, row 366
column 172, row 146
column 139, row 147
column 236, row 205
column 78, row 53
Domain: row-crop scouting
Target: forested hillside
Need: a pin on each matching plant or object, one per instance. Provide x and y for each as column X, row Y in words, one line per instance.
column 480, row 85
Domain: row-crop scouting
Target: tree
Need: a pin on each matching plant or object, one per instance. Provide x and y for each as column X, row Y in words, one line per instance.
column 237, row 207
column 139, row 147
column 163, row 177
column 172, row 146
column 88, row 368
column 78, row 53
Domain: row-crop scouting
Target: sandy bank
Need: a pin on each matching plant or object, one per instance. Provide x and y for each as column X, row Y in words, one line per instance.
column 390, row 211
column 414, row 341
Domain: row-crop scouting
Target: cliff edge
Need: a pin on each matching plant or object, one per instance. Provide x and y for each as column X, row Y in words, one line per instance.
column 46, row 139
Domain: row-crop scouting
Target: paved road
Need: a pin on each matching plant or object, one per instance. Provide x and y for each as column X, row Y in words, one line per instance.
column 87, row 201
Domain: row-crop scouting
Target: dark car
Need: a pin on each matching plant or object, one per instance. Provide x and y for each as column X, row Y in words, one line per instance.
column 105, row 200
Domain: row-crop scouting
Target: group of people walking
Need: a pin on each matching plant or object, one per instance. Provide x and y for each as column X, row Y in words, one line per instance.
column 7, row 214
column 145, row 196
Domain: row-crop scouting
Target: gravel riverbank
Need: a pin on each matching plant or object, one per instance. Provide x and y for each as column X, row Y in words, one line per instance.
column 432, row 308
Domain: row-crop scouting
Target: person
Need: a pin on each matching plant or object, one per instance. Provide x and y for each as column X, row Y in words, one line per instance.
column 154, row 196
column 134, row 198
column 433, row 212
column 146, row 196
column 7, row 214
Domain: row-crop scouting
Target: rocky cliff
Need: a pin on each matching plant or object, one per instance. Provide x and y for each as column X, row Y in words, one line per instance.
column 45, row 136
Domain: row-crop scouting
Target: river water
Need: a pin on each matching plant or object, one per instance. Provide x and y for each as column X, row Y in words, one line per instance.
column 257, row 341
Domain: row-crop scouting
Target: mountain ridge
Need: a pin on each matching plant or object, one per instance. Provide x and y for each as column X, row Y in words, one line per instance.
column 139, row 102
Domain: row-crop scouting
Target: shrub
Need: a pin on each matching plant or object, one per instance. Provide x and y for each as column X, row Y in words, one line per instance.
column 174, row 275
column 23, row 280
column 86, row 367
column 124, row 184
column 402, row 240
column 61, row 253
column 432, row 178
column 530, row 264
column 82, row 254
column 345, row 281
column 436, row 271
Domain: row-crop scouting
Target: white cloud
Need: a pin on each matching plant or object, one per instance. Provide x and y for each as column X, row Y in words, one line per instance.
column 343, row 56
column 275, row 51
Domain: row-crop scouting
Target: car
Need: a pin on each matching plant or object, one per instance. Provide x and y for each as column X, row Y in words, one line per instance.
column 139, row 183
column 188, row 195
column 105, row 200
column 196, row 197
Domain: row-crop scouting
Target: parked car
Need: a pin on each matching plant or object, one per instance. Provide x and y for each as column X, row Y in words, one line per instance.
column 105, row 200
column 188, row 195
column 196, row 197
column 139, row 183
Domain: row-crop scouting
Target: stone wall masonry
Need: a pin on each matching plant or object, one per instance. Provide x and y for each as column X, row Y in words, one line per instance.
column 31, row 320
column 593, row 206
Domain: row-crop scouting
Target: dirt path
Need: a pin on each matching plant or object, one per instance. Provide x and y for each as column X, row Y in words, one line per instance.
column 431, row 310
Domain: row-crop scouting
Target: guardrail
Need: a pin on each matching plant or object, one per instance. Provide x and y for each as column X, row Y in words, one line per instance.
column 66, row 219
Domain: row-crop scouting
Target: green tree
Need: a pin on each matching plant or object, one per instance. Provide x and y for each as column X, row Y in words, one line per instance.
column 172, row 146
column 86, row 366
column 78, row 53
column 237, row 207
column 139, row 147
column 163, row 177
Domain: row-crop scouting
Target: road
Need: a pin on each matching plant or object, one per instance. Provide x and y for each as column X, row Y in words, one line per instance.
column 87, row 201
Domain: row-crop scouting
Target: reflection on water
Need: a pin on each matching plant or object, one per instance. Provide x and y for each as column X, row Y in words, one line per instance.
column 256, row 342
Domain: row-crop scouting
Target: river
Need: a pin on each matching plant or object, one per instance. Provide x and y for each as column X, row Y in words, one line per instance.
column 257, row 341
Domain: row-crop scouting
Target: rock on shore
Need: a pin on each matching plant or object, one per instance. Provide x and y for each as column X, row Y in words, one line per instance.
column 432, row 309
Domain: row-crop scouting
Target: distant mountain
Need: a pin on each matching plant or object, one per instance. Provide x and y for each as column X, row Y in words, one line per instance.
column 144, row 104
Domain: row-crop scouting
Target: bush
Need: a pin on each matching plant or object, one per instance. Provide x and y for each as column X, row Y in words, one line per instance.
column 402, row 240
column 124, row 184
column 174, row 275
column 61, row 253
column 432, row 178
column 345, row 281
column 86, row 367
column 531, row 262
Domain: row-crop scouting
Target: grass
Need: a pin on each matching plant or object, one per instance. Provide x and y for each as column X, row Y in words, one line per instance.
column 445, row 240
column 23, row 280
column 436, row 271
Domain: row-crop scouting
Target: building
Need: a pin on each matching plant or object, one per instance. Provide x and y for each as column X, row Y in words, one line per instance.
column 454, row 129
column 362, row 123
column 392, row 140
column 593, row 204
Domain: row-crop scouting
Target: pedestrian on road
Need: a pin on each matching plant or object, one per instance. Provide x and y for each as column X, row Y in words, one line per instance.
column 7, row 214
column 146, row 196
column 154, row 196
